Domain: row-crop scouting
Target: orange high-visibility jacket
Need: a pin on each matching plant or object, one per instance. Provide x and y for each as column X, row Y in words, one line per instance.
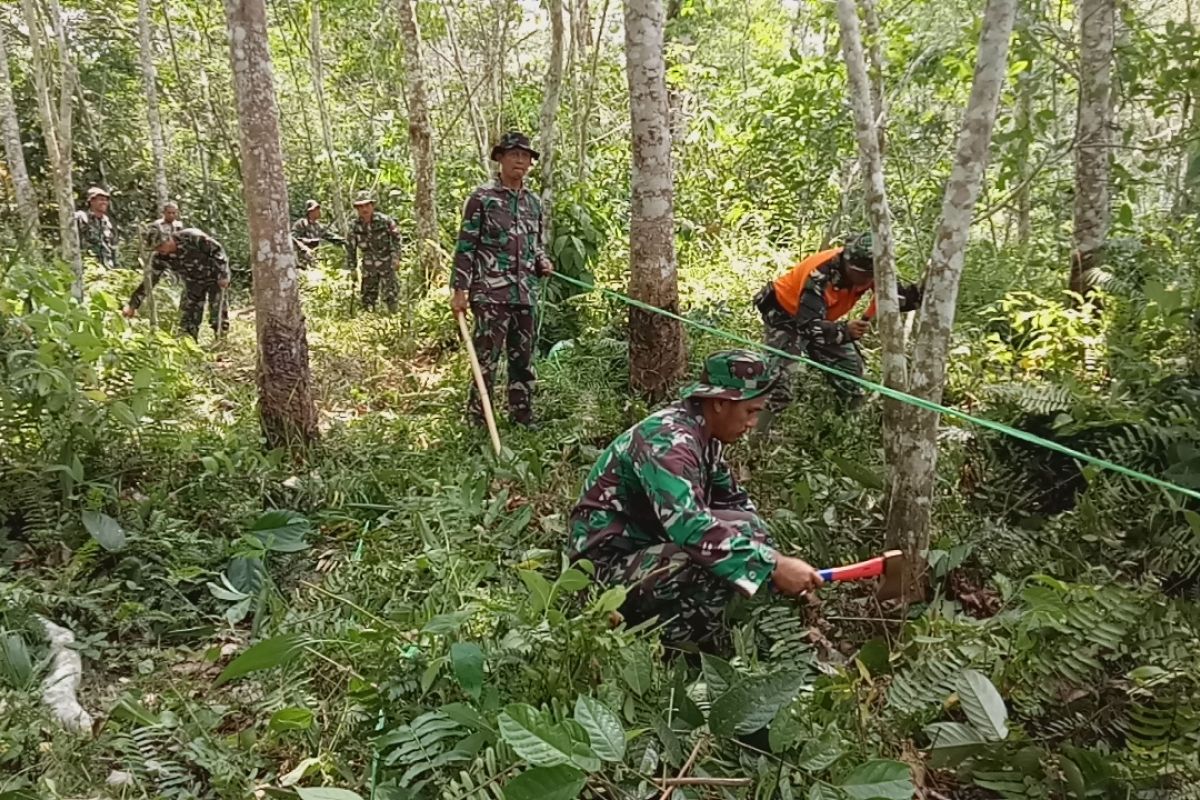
column 839, row 301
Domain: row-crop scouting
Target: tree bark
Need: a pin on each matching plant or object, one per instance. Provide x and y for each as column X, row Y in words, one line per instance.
column 318, row 79
column 150, row 86
column 546, row 137
column 866, row 104
column 1093, row 142
column 914, row 473
column 656, row 344
column 56, row 129
column 286, row 409
column 585, row 118
column 875, row 54
column 1024, row 117
column 14, row 153
column 420, row 142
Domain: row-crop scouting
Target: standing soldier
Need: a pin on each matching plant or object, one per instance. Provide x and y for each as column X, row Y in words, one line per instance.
column 378, row 239
column 169, row 221
column 308, row 233
column 499, row 254
column 802, row 313
column 97, row 236
column 201, row 262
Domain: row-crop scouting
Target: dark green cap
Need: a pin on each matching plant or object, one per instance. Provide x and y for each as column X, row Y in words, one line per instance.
column 734, row 375
column 860, row 251
column 514, row 140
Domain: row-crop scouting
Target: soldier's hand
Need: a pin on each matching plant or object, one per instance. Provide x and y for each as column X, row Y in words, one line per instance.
column 792, row 576
column 858, row 328
column 128, row 312
column 223, row 283
column 545, row 268
column 460, row 302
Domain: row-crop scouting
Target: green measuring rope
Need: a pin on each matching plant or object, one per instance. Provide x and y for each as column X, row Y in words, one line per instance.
column 999, row 427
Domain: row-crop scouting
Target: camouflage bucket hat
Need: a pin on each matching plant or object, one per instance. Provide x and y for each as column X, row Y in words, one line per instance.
column 95, row 192
column 155, row 235
column 311, row 205
column 363, row 198
column 860, row 251
column 514, row 140
column 734, row 375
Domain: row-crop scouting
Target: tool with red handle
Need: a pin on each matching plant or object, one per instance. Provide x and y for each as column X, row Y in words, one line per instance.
column 889, row 568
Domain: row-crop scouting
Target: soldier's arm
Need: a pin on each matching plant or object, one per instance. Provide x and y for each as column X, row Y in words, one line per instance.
column 542, row 264
column 351, row 251
column 735, row 551
column 468, row 244
column 216, row 252
column 810, row 314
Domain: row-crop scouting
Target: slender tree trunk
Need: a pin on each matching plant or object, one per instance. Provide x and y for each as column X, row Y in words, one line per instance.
column 56, row 129
column 875, row 55
column 288, row 415
column 193, row 118
column 420, row 142
column 656, row 346
column 1024, row 117
column 1093, row 141
column 585, row 119
column 318, row 78
column 150, row 86
column 913, row 475
column 14, row 153
column 867, row 126
column 546, row 138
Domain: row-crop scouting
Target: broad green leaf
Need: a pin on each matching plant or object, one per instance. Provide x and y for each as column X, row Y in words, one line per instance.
column 326, row 793
column 951, row 742
column 539, row 589
column 281, row 531
column 298, row 772
column 638, row 676
column 604, row 730
column 291, row 719
column 718, row 675
column 534, row 737
column 1074, row 778
column 982, row 704
column 467, row 660
column 823, row 791
column 264, row 655
column 572, row 580
column 105, row 530
column 820, row 753
column 444, row 624
column 750, row 704
column 611, row 600
column 546, row 783
column 879, row 780
column 143, row 378
column 786, row 729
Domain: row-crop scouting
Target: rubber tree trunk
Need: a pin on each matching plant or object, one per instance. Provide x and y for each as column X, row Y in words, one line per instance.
column 1093, row 142
column 318, row 79
column 420, row 142
column 915, row 438
column 656, row 346
column 547, row 135
column 286, row 409
column 150, row 87
column 14, row 154
column 56, row 129
column 866, row 104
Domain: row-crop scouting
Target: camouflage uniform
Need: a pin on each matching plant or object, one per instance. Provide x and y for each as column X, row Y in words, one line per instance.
column 662, row 513
column 200, row 261
column 498, row 256
column 379, row 242
column 174, row 226
column 309, row 234
column 815, row 329
column 97, row 237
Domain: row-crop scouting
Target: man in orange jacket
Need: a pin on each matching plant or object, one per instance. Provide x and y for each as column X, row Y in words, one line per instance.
column 802, row 312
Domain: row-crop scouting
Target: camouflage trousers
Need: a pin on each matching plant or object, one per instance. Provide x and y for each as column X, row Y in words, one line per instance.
column 191, row 307
column 504, row 328
column 662, row 581
column 377, row 277
column 783, row 334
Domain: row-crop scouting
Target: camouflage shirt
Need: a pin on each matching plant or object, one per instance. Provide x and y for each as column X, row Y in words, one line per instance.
column 198, row 257
column 97, row 236
column 499, row 248
column 164, row 262
column 378, row 241
column 311, row 234
column 658, row 482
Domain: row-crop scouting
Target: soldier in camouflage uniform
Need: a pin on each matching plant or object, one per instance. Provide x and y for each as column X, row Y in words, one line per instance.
column 308, row 233
column 801, row 313
column 201, row 262
column 169, row 221
column 378, row 239
column 97, row 235
column 498, row 256
column 662, row 514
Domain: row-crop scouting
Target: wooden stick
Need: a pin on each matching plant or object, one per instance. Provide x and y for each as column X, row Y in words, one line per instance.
column 221, row 315
column 670, row 787
column 708, row 781
column 484, row 398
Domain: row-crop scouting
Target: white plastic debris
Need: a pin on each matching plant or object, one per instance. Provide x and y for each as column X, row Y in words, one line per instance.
column 59, row 690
